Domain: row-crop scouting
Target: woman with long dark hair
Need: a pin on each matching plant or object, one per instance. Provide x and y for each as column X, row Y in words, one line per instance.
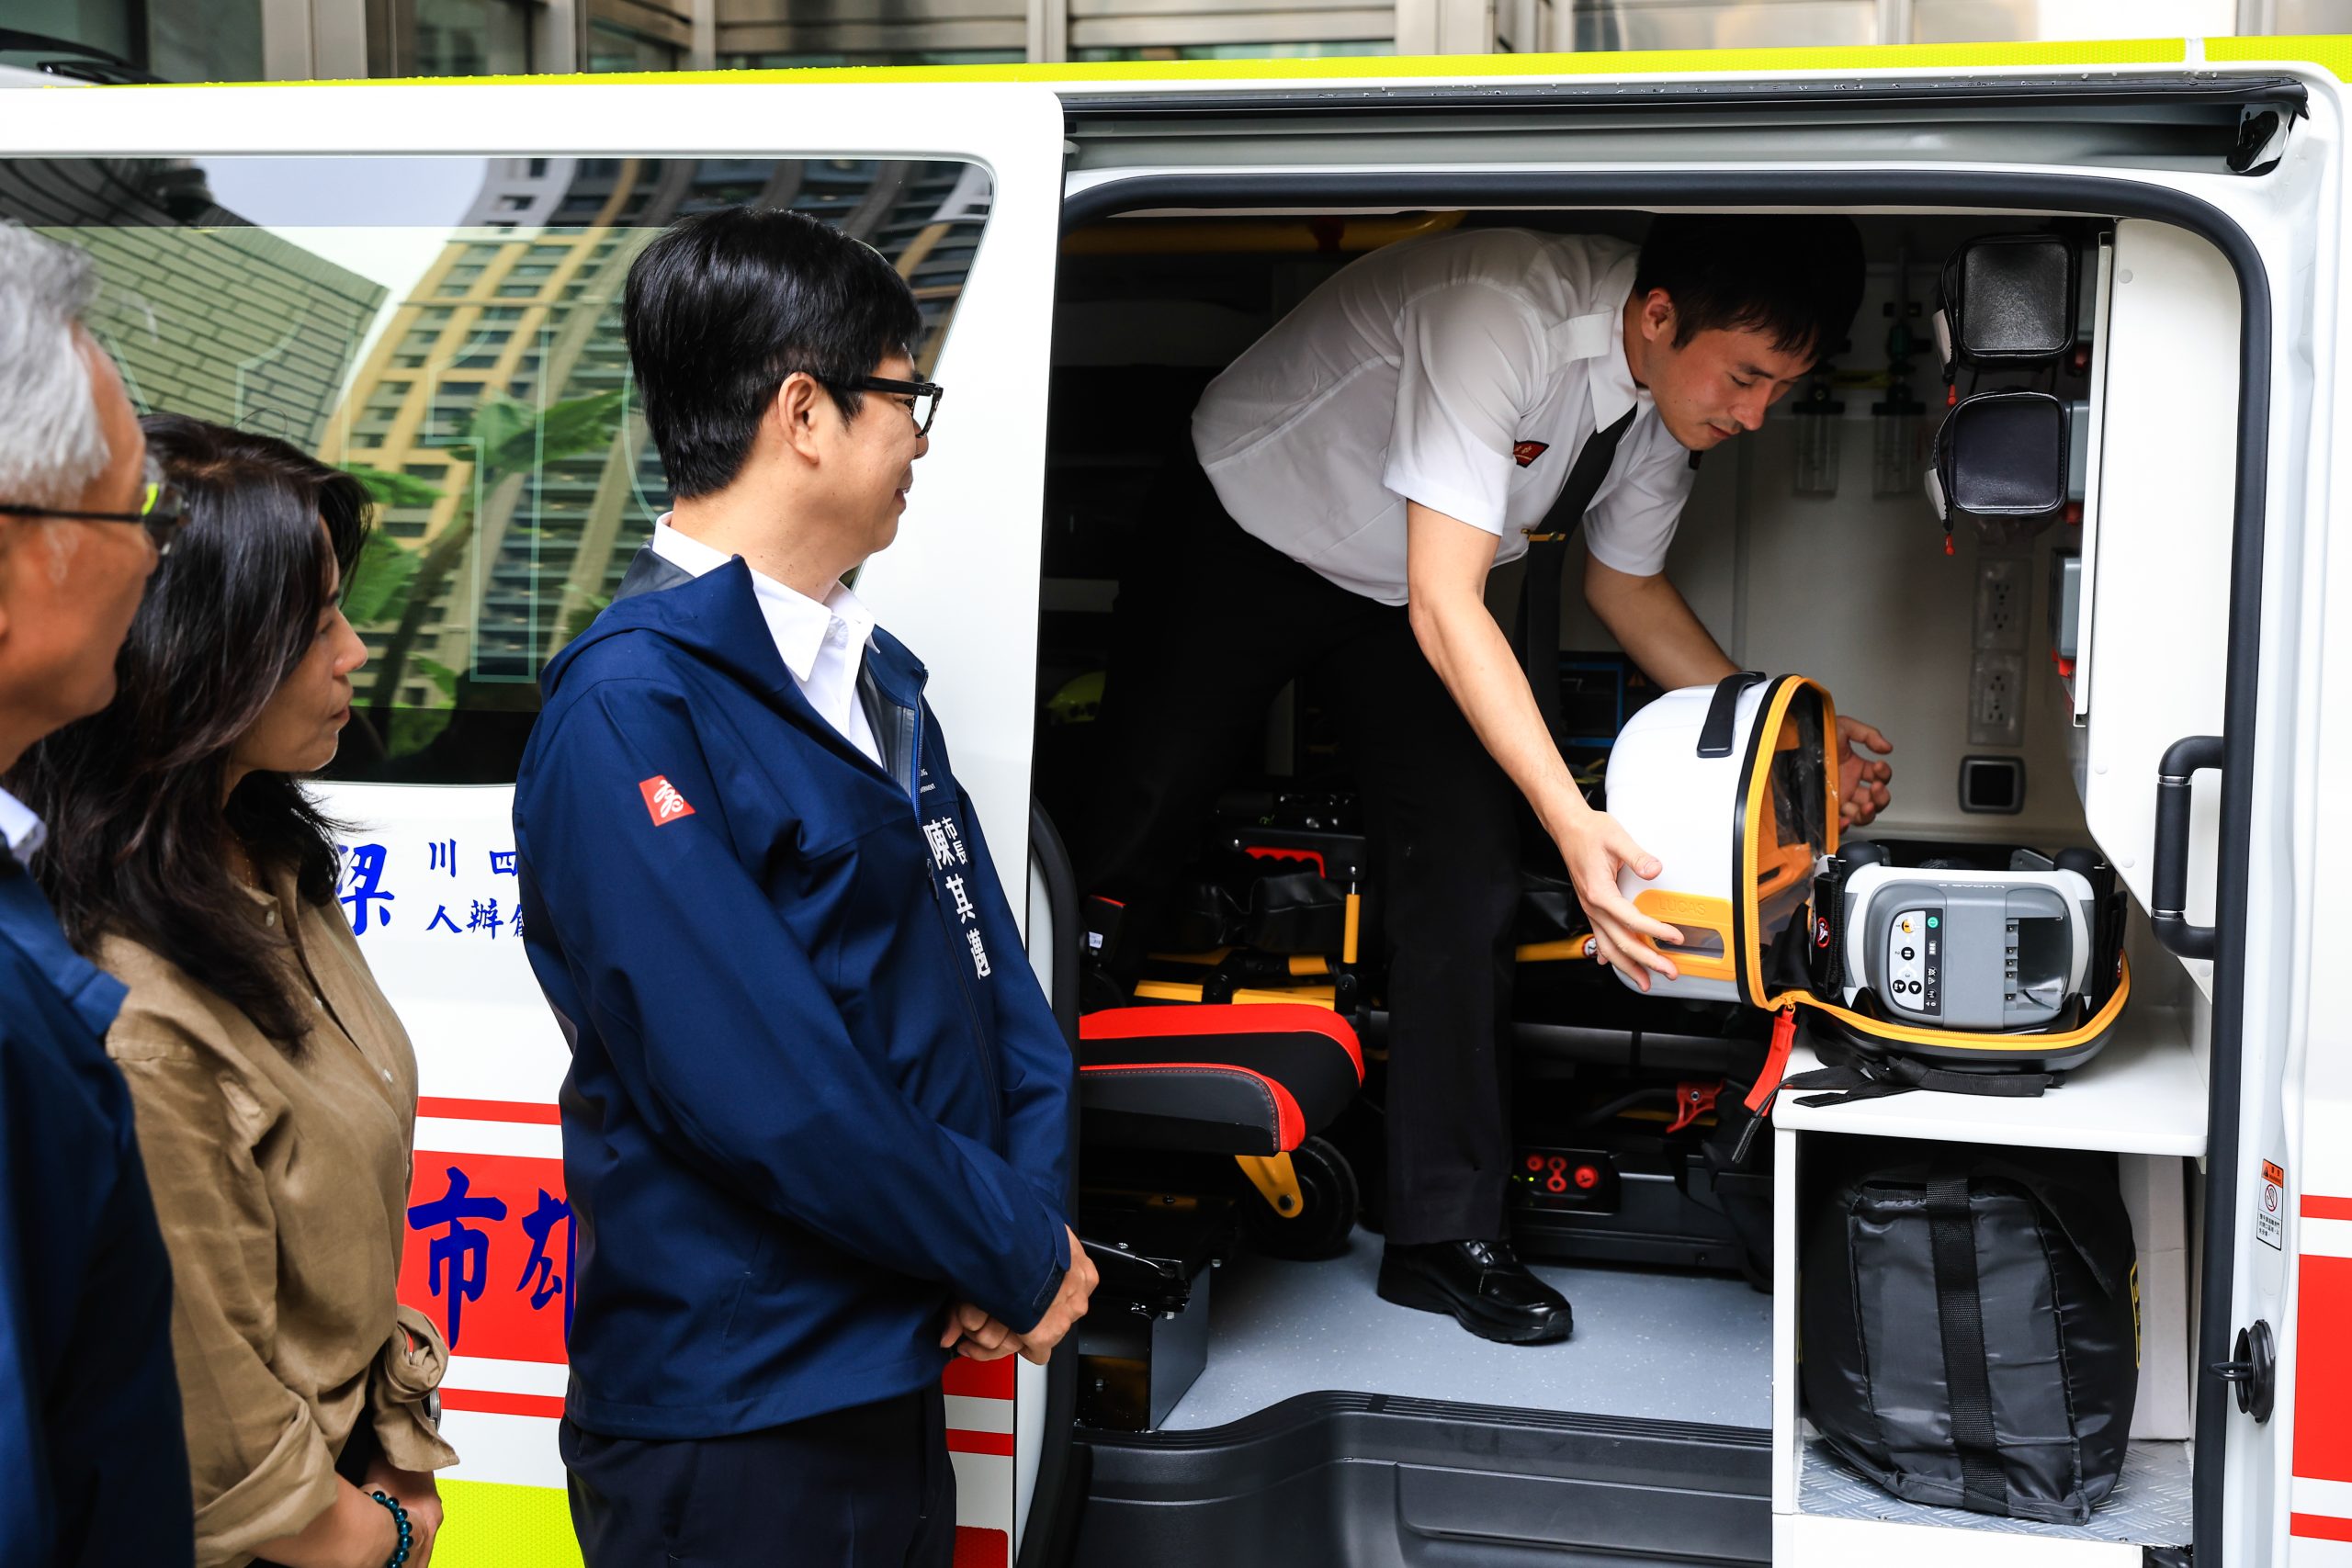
column 274, row 1087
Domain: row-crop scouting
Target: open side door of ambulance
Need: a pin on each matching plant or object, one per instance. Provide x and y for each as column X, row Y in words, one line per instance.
column 310, row 261
column 2222, row 273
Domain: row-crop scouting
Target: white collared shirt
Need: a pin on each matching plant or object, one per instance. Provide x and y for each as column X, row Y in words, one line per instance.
column 1463, row 371
column 823, row 645
column 20, row 830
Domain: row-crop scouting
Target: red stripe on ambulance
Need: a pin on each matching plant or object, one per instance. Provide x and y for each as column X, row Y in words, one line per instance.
column 982, row 1547
column 980, row 1379
column 546, row 1405
column 530, row 1112
column 2324, row 1377
column 2319, row 1527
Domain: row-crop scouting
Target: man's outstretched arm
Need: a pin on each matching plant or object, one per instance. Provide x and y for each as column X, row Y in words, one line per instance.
column 1446, row 563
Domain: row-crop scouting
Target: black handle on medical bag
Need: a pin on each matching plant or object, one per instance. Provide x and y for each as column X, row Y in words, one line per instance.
column 1723, row 712
column 2168, row 912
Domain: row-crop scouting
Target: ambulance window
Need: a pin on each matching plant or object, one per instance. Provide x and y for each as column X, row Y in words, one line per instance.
column 450, row 329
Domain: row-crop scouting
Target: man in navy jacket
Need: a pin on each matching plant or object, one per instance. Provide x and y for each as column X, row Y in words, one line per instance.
column 816, row 1126
column 93, row 1460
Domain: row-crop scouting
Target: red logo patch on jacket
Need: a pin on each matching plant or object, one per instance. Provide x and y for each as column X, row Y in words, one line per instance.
column 1527, row 451
column 662, row 801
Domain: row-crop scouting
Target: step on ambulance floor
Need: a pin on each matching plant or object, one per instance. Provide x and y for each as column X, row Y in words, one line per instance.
column 1650, row 1344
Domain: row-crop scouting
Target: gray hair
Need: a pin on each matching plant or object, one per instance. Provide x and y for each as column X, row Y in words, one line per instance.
column 50, row 444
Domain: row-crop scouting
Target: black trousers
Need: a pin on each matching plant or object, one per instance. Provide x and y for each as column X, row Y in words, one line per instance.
column 1211, row 624
column 868, row 1487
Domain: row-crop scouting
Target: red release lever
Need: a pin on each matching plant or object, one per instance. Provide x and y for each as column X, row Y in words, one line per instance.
column 1267, row 851
column 1693, row 1099
column 1775, row 1063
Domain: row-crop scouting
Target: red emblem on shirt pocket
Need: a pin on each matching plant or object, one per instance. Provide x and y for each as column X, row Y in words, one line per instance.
column 1527, row 451
column 662, row 801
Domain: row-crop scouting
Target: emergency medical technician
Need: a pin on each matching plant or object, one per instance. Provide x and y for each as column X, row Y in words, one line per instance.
column 1363, row 467
column 818, row 1121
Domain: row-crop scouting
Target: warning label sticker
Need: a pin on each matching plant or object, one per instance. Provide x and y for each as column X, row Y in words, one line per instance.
column 2270, row 1206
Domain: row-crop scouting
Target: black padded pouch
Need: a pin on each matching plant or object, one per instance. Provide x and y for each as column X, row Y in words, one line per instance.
column 2005, row 456
column 1200, row 916
column 2007, row 299
column 1296, row 912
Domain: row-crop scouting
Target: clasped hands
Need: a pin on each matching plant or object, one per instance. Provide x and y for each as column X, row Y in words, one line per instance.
column 970, row 1332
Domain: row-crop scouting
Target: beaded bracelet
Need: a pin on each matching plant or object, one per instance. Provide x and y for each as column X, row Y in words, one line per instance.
column 399, row 1518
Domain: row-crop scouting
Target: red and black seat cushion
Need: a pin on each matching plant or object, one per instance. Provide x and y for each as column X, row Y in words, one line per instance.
column 1243, row 1078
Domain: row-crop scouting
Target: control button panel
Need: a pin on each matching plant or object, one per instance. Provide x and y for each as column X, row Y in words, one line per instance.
column 2009, row 966
column 1914, row 963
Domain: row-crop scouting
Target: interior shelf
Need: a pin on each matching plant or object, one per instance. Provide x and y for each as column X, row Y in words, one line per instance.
column 2150, row 1506
column 2143, row 1094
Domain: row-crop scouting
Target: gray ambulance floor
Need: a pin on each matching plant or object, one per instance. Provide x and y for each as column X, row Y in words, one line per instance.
column 1650, row 1344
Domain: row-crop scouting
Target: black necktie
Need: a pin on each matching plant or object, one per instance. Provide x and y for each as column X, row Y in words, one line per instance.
column 1547, row 551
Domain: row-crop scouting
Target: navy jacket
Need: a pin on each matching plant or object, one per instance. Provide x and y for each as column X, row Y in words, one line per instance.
column 92, row 1458
column 816, row 1092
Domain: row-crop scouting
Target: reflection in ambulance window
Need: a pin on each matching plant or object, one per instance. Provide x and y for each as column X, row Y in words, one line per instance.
column 450, row 329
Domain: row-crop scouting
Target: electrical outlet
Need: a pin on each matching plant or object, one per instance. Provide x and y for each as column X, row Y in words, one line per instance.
column 2004, row 596
column 1996, row 699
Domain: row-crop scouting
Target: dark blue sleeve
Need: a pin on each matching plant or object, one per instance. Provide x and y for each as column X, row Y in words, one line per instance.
column 24, row 1462
column 727, row 1042
column 1034, row 1058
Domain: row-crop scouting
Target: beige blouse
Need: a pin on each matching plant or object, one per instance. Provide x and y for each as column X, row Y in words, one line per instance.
column 282, row 1186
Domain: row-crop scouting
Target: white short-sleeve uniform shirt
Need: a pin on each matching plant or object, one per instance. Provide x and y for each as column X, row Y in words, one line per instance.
column 1463, row 371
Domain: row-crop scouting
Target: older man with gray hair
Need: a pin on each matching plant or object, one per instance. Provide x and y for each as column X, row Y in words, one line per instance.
column 93, row 1462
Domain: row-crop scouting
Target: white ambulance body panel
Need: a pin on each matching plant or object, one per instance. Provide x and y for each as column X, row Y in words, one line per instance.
column 422, row 872
column 428, row 873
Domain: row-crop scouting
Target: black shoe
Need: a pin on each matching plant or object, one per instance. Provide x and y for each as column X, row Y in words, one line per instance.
column 1488, row 1292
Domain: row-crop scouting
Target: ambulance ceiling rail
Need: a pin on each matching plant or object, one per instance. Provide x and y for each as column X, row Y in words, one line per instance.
column 2193, row 99
column 1915, row 189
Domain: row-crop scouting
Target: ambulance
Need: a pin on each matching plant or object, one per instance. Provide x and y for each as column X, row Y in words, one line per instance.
column 422, row 281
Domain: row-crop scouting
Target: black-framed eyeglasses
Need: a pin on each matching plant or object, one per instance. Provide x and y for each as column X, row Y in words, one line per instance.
column 161, row 510
column 926, row 394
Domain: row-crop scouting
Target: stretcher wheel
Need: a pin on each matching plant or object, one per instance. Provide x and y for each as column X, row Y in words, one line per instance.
column 1327, row 1190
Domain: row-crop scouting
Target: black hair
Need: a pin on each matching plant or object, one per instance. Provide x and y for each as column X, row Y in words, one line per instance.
column 1797, row 277
column 137, row 837
column 724, row 305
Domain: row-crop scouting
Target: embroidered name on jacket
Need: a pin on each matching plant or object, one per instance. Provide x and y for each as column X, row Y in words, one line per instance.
column 662, row 801
column 1527, row 452
column 947, row 853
